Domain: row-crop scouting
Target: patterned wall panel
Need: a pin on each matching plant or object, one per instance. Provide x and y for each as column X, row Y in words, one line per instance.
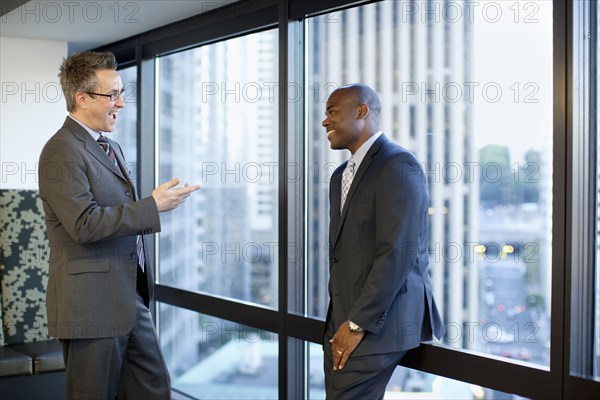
column 24, row 254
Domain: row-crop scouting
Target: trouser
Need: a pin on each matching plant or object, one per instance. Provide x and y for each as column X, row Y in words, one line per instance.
column 123, row 367
column 363, row 377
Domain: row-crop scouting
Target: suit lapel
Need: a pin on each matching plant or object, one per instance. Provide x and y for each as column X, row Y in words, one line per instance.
column 92, row 147
column 335, row 196
column 364, row 165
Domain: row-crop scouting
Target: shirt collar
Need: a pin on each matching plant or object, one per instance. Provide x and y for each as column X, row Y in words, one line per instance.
column 92, row 132
column 360, row 154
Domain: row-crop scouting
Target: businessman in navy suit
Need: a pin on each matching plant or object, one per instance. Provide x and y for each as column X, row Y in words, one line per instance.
column 381, row 303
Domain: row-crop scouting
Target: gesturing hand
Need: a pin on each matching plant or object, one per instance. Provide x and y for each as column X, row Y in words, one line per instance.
column 343, row 343
column 169, row 197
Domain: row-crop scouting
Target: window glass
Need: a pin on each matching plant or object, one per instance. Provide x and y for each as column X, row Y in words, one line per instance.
column 125, row 132
column 467, row 87
column 218, row 127
column 211, row 358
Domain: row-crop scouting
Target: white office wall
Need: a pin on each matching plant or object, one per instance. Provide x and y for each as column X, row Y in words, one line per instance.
column 32, row 107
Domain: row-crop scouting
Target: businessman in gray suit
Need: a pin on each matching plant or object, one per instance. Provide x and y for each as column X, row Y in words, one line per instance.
column 101, row 277
column 381, row 302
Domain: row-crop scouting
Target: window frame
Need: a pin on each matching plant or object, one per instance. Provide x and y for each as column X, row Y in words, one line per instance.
column 581, row 283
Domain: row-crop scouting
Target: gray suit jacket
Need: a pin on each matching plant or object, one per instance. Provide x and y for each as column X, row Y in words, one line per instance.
column 379, row 275
column 92, row 218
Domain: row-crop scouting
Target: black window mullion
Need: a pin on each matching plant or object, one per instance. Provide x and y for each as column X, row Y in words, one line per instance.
column 283, row 206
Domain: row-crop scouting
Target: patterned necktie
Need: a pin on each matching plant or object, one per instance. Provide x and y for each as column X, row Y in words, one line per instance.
column 347, row 180
column 108, row 149
column 139, row 248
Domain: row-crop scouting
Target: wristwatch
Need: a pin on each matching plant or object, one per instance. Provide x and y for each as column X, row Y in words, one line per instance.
column 353, row 327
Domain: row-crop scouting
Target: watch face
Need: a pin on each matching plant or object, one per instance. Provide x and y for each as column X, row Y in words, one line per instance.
column 353, row 327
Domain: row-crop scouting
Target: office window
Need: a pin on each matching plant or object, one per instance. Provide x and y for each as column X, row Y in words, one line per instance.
column 211, row 358
column 434, row 53
column 479, row 118
column 125, row 132
column 218, row 127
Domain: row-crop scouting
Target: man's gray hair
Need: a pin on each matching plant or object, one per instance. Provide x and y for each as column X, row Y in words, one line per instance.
column 78, row 73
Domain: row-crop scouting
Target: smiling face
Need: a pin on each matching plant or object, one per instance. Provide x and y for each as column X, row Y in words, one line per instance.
column 344, row 123
column 99, row 112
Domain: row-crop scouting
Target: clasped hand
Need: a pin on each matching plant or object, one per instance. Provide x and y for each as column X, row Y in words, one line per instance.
column 168, row 197
column 343, row 343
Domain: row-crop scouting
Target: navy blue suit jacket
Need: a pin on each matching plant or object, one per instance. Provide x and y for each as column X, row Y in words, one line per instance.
column 379, row 274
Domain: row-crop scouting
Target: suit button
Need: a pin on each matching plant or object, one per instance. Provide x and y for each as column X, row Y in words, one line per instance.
column 128, row 193
column 132, row 255
column 335, row 259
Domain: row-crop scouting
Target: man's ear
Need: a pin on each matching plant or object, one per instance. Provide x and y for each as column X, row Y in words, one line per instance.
column 80, row 100
column 363, row 111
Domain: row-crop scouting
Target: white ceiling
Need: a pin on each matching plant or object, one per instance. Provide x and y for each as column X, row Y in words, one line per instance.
column 88, row 24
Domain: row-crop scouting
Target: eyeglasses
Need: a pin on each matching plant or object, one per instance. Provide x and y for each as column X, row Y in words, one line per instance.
column 113, row 96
